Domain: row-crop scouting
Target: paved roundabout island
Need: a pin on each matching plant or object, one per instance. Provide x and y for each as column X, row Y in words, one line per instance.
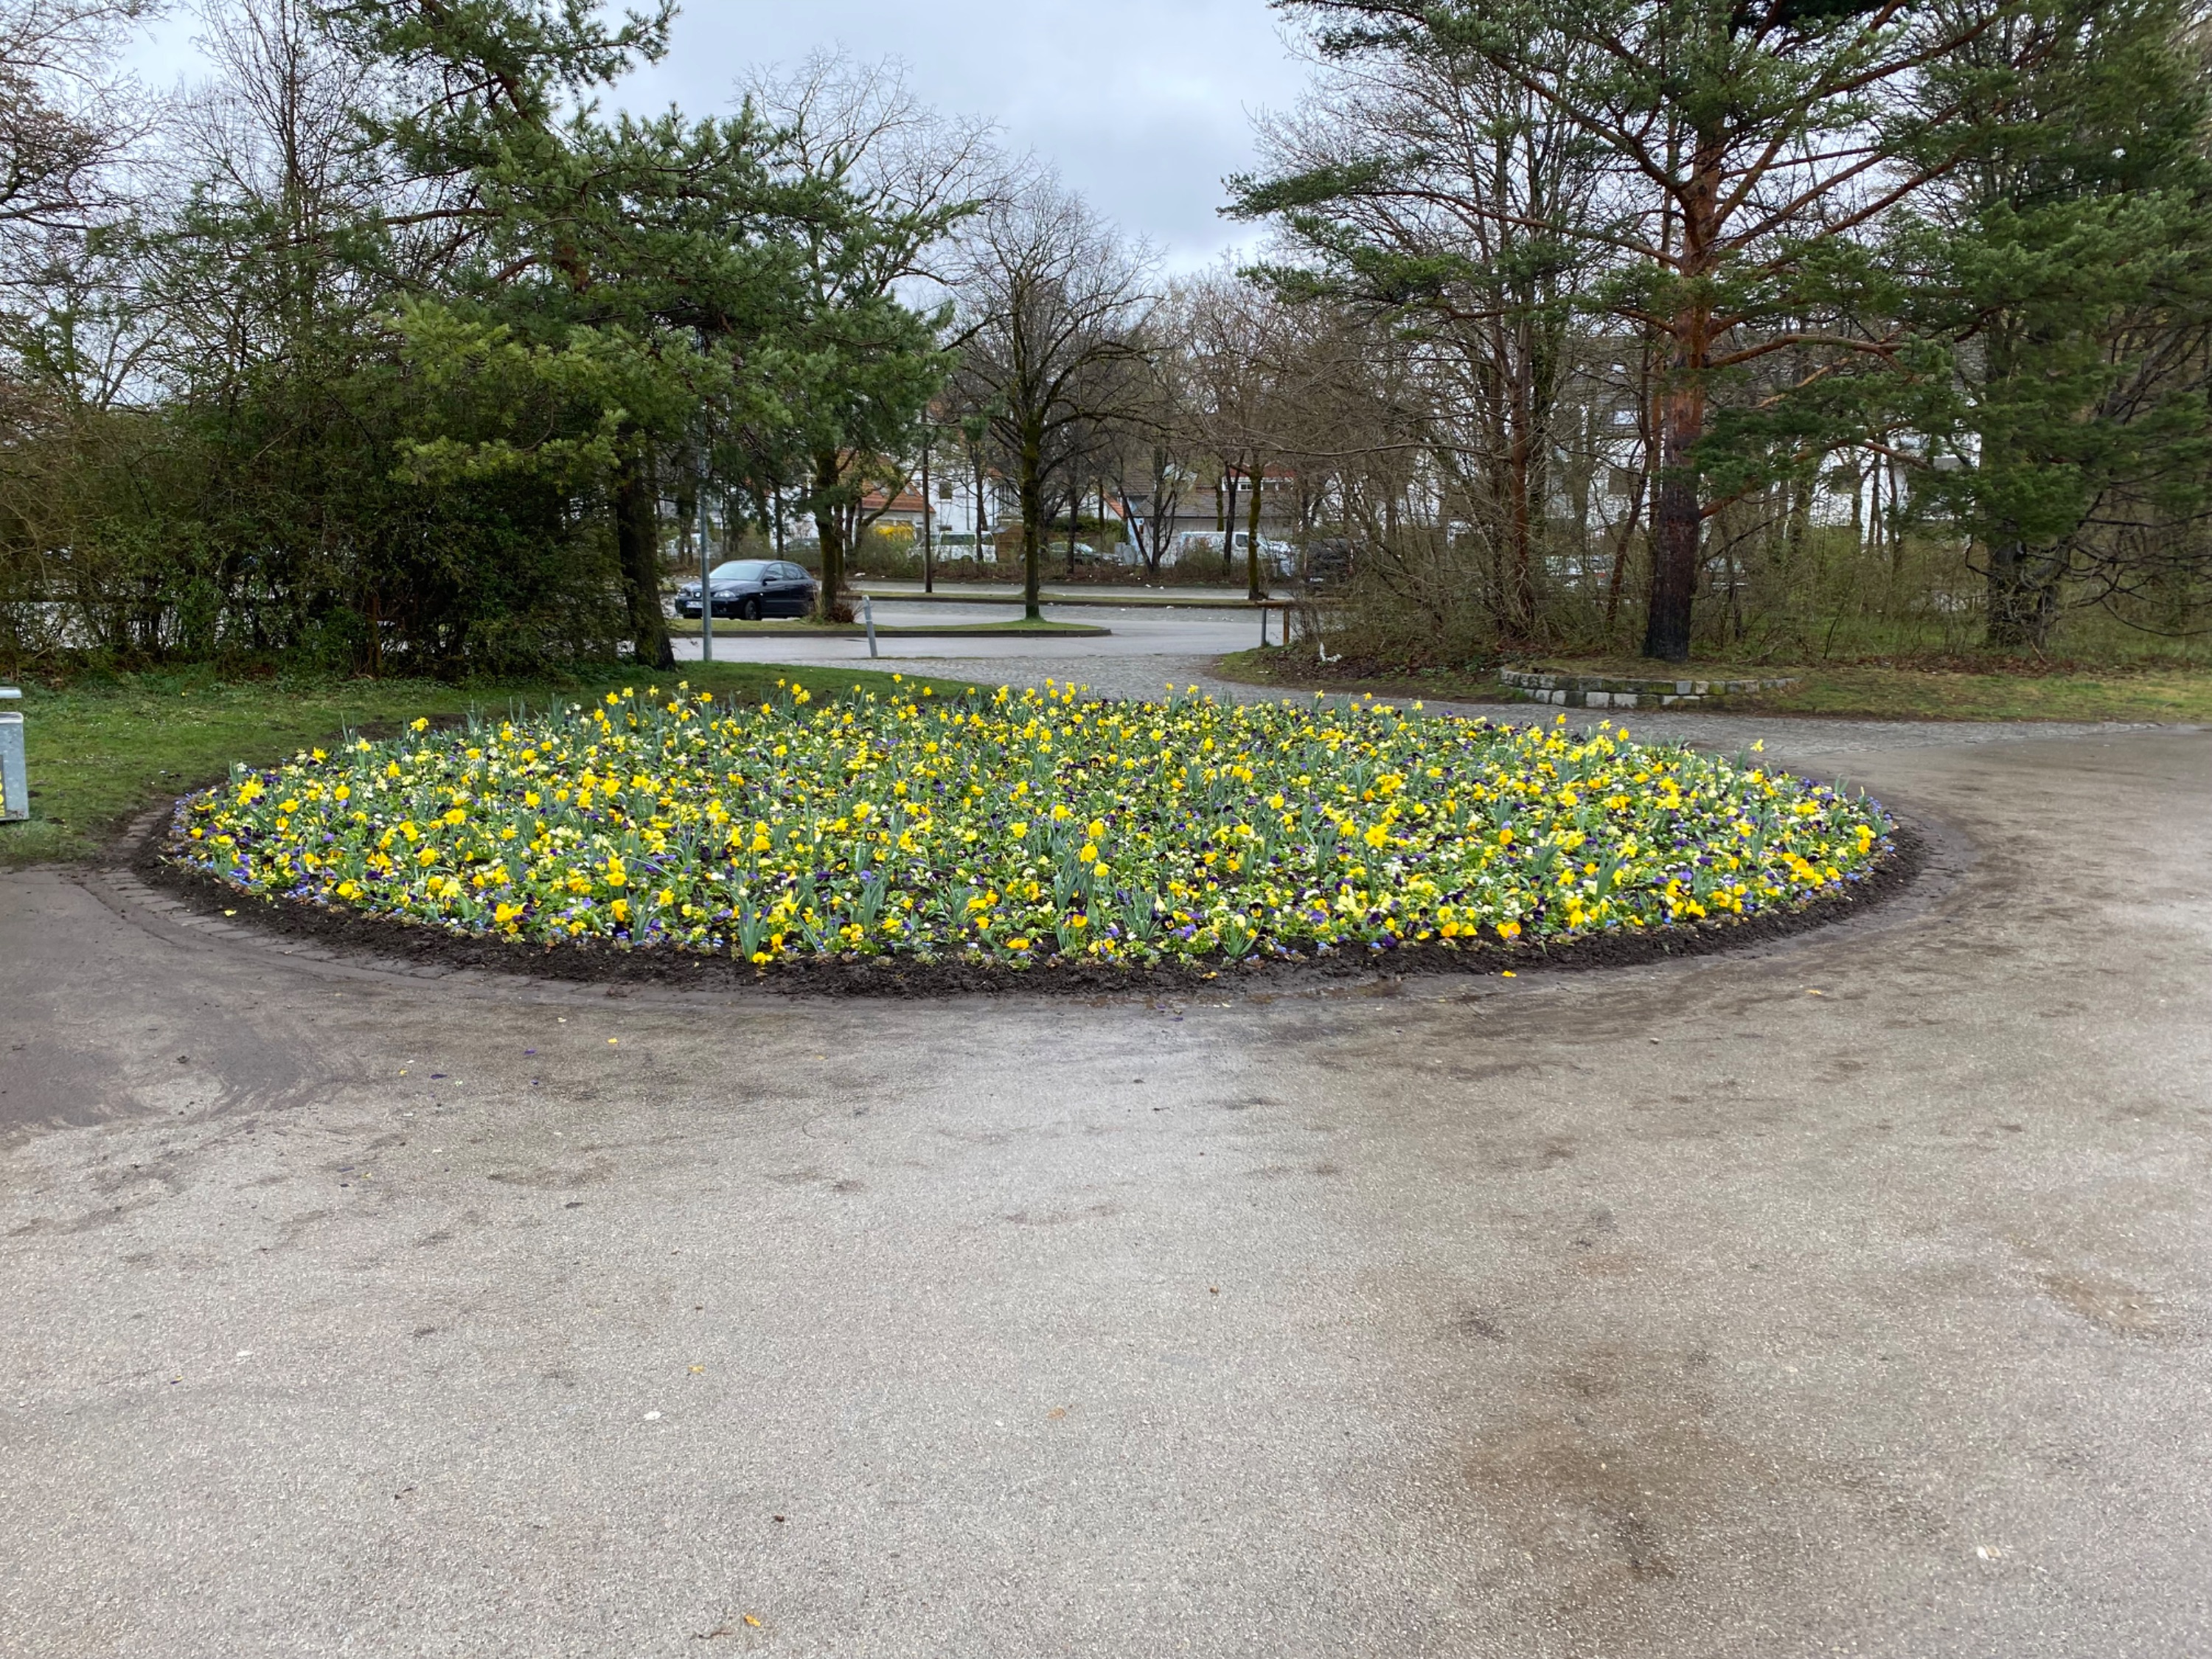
column 1847, row 1294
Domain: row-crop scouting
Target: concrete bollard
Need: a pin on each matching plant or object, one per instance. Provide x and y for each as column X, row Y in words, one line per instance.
column 15, row 783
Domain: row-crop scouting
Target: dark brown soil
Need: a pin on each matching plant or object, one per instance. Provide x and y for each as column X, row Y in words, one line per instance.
column 906, row 977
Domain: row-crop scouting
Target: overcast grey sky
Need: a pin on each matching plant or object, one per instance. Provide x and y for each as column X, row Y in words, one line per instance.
column 1143, row 105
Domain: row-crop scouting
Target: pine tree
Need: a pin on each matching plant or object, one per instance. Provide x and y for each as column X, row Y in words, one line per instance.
column 2070, row 270
column 1737, row 145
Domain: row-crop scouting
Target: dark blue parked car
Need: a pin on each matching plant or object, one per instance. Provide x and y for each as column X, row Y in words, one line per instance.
column 750, row 588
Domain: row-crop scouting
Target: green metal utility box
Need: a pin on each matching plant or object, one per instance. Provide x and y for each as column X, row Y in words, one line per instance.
column 14, row 785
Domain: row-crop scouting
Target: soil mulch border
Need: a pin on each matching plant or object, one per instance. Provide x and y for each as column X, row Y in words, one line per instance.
column 904, row 977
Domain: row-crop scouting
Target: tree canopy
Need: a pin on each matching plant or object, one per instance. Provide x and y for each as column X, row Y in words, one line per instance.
column 1666, row 325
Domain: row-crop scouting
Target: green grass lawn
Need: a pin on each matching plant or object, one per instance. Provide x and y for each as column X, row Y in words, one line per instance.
column 99, row 753
column 1860, row 690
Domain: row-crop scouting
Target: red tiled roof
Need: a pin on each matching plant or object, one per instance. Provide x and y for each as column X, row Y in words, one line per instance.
column 906, row 501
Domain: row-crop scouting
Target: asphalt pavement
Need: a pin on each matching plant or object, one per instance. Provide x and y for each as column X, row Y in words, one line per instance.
column 1846, row 1296
column 1199, row 633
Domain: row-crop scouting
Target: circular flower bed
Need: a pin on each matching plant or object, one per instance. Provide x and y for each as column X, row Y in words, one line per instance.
column 1024, row 828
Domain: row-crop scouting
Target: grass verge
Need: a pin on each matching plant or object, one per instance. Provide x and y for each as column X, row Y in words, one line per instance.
column 99, row 753
column 1947, row 691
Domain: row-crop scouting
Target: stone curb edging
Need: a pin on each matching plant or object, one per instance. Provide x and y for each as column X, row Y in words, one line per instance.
column 1623, row 691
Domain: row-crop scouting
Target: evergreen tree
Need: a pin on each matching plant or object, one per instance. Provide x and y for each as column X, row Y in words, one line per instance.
column 1736, row 143
column 2070, row 268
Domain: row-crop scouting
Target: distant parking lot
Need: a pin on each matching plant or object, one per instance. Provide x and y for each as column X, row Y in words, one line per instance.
column 1133, row 631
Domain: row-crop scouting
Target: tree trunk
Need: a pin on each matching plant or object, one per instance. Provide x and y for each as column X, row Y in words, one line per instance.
column 1800, row 524
column 1676, row 522
column 2022, row 598
column 1677, row 515
column 1131, row 528
column 1228, row 509
column 1579, row 481
column 1735, row 576
column 829, row 534
column 1167, row 510
column 1644, row 424
column 1520, row 585
column 1030, row 486
column 637, row 546
column 978, row 526
column 929, row 509
column 1527, row 481
column 1873, row 514
column 1615, row 576
column 1858, row 509
column 688, row 503
column 1254, row 588
column 1896, row 526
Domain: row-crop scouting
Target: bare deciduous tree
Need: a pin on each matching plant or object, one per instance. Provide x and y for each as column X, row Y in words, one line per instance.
column 1051, row 300
column 64, row 121
column 1458, row 188
column 913, row 175
column 1152, row 462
